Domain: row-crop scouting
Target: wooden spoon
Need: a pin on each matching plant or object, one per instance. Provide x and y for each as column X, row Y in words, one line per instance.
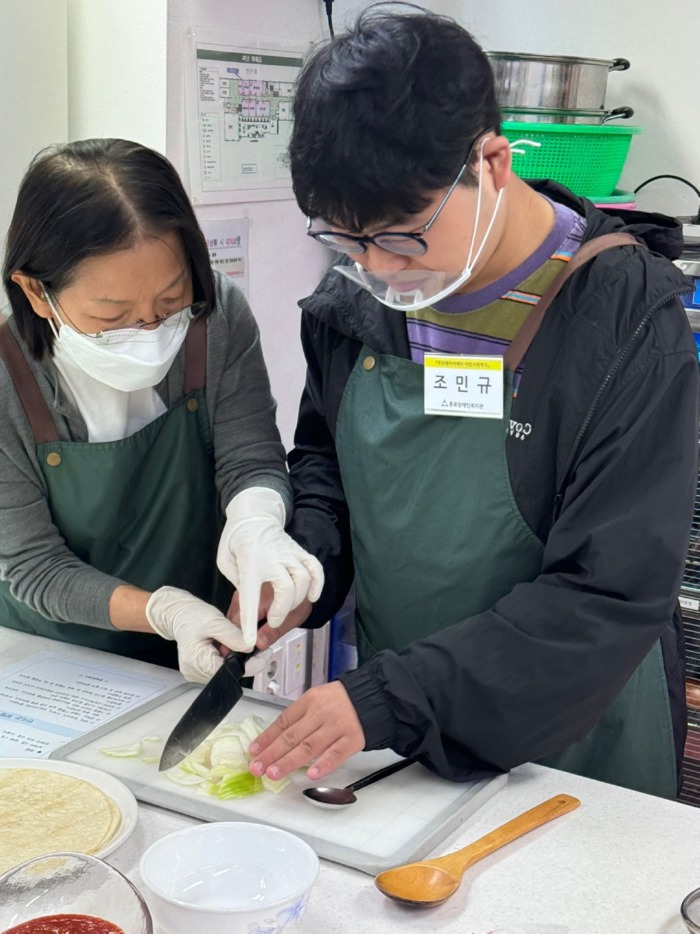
column 432, row 881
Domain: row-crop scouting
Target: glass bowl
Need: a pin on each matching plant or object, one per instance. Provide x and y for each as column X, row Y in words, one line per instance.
column 228, row 877
column 690, row 911
column 73, row 884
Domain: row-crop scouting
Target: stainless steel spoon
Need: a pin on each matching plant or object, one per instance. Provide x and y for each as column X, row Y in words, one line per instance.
column 341, row 797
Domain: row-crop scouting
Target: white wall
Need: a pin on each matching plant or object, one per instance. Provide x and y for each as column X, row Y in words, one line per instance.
column 33, row 96
column 283, row 263
column 116, row 69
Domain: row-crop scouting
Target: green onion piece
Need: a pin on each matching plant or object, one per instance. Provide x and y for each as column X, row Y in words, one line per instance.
column 239, row 785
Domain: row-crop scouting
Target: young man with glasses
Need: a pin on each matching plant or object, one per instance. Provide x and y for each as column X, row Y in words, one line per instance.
column 497, row 439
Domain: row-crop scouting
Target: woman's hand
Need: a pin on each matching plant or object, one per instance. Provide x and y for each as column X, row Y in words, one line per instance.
column 197, row 627
column 254, row 550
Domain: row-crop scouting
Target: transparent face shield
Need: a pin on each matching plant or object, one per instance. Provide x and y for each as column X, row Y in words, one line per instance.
column 411, row 289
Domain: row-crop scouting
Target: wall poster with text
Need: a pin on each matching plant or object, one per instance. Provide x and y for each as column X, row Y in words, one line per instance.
column 238, row 119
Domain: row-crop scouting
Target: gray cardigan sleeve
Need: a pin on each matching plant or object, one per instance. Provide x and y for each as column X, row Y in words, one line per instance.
column 34, row 558
column 247, row 445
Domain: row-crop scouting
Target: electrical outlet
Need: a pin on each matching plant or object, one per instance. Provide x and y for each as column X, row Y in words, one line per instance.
column 320, row 642
column 295, row 663
column 269, row 680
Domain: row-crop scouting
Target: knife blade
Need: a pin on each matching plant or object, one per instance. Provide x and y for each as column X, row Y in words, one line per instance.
column 216, row 699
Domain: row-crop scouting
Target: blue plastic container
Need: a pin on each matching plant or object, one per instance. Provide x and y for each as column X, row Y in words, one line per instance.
column 342, row 651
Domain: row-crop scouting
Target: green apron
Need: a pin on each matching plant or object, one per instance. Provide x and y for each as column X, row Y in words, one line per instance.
column 143, row 509
column 437, row 537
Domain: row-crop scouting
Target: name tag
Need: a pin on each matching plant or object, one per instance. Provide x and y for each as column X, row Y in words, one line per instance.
column 470, row 387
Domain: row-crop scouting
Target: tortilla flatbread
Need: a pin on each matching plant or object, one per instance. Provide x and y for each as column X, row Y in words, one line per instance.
column 42, row 811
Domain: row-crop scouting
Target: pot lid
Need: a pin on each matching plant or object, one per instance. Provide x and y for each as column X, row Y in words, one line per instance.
column 550, row 59
column 557, row 112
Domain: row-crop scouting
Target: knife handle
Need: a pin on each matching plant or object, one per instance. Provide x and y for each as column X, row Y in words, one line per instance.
column 236, row 661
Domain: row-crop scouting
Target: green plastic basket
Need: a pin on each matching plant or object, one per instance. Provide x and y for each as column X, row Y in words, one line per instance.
column 617, row 197
column 587, row 159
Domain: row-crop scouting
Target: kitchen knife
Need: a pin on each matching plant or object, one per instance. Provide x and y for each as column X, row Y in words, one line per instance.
column 210, row 706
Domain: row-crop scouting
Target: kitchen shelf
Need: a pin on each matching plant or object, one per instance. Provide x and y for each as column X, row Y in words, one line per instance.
column 690, row 609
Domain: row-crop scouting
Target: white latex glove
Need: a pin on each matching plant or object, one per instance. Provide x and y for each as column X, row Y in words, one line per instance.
column 254, row 548
column 193, row 624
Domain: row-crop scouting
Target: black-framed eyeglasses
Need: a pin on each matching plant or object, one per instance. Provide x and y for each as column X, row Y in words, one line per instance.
column 195, row 308
column 405, row 244
column 134, row 328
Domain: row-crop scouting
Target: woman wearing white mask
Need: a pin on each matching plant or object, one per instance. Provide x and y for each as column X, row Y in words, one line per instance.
column 138, row 445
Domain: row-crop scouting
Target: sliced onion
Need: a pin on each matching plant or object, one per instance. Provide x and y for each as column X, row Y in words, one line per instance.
column 218, row 767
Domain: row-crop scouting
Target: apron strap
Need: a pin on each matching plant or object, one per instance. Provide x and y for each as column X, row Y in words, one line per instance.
column 196, row 355
column 522, row 340
column 34, row 404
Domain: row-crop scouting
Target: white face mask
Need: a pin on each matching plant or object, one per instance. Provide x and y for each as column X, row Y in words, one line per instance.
column 121, row 358
column 411, row 289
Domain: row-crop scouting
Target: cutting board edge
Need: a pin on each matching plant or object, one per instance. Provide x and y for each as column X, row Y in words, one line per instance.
column 484, row 790
column 367, row 863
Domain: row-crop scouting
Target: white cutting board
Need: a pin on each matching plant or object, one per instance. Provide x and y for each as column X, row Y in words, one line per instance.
column 398, row 819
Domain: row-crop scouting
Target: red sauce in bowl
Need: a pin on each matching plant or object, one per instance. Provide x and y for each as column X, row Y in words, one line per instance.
column 66, row 924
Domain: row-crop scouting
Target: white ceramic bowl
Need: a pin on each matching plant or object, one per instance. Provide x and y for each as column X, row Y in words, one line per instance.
column 228, row 878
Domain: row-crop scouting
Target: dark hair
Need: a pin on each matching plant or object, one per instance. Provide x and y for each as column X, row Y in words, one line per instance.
column 386, row 114
column 90, row 198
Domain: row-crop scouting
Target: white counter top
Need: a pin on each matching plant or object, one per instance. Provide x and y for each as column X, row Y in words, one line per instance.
column 620, row 864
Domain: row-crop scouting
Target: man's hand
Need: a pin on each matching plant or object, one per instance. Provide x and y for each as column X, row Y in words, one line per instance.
column 267, row 636
column 321, row 727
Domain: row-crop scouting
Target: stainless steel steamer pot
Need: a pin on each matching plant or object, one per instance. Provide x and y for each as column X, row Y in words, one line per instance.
column 558, row 82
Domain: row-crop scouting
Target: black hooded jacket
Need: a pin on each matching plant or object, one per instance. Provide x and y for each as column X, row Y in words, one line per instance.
column 605, row 476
